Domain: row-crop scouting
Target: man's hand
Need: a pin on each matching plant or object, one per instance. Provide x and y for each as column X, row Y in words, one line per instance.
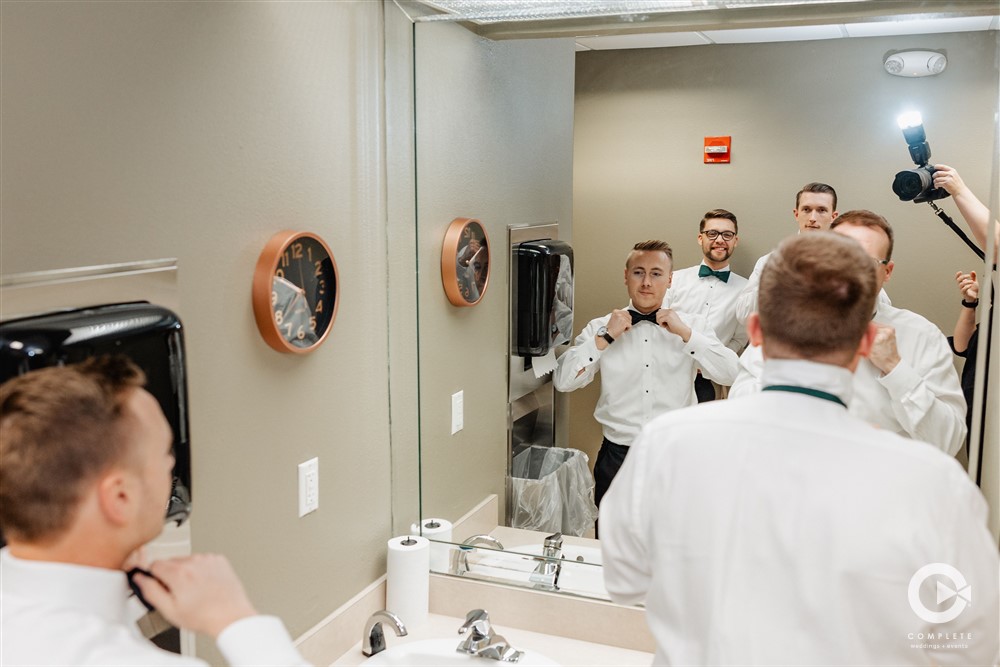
column 946, row 177
column 884, row 354
column 199, row 592
column 967, row 285
column 672, row 322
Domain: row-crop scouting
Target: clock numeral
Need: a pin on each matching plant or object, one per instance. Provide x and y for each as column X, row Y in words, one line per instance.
column 284, row 258
column 309, row 250
column 319, row 269
column 289, row 327
column 279, row 273
column 466, row 293
column 319, row 307
column 296, row 251
column 312, row 323
column 274, row 298
column 278, row 317
column 466, row 232
column 301, row 333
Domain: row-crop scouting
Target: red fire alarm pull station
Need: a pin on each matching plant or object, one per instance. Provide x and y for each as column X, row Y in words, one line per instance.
column 717, row 149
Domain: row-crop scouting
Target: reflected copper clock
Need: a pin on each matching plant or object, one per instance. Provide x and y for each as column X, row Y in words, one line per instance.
column 465, row 262
column 295, row 290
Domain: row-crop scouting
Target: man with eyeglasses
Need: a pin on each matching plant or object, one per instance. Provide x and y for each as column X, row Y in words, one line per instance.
column 711, row 289
column 815, row 210
column 908, row 383
column 647, row 356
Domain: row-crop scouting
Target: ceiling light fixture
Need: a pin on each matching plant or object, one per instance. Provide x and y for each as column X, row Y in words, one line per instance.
column 915, row 63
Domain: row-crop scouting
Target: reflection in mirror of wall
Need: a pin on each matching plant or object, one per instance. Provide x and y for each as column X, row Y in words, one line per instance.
column 610, row 143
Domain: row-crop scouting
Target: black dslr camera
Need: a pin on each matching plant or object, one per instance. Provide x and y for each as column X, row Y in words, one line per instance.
column 917, row 185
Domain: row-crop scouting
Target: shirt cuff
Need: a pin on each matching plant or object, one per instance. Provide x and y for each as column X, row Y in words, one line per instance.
column 698, row 342
column 901, row 381
column 258, row 640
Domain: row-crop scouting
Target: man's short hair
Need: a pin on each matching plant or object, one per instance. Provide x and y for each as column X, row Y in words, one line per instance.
column 863, row 218
column 719, row 213
column 60, row 428
column 651, row 246
column 820, row 188
column 817, row 295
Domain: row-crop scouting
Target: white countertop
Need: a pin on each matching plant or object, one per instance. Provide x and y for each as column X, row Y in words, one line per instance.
column 565, row 651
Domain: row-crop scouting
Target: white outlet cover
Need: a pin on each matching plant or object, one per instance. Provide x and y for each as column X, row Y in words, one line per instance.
column 308, row 486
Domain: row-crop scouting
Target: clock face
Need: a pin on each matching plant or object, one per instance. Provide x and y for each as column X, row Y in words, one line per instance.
column 295, row 292
column 465, row 262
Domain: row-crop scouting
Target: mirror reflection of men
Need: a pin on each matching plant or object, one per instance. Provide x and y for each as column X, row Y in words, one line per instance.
column 711, row 288
column 85, row 475
column 473, row 266
column 815, row 210
column 794, row 534
column 908, row 383
column 647, row 356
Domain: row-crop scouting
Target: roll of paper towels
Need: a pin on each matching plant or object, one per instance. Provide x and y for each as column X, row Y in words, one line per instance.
column 438, row 530
column 407, row 589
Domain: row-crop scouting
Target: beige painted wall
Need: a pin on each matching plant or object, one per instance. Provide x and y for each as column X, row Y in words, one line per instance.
column 196, row 130
column 494, row 142
column 797, row 112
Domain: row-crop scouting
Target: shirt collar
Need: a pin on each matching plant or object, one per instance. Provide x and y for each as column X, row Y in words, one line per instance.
column 725, row 268
column 94, row 589
column 835, row 380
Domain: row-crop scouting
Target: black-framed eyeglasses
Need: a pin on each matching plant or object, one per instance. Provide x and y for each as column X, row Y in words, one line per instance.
column 880, row 262
column 713, row 234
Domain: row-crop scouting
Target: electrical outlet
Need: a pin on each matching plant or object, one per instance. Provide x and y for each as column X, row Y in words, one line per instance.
column 457, row 412
column 308, row 486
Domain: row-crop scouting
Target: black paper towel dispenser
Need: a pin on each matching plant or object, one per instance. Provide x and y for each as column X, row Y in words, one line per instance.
column 542, row 311
column 149, row 335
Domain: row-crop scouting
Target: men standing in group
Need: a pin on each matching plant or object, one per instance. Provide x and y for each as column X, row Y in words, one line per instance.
column 815, row 210
column 711, row 288
column 798, row 534
column 647, row 356
column 908, row 384
column 85, row 472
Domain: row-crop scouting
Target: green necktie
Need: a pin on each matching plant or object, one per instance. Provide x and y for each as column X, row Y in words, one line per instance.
column 721, row 275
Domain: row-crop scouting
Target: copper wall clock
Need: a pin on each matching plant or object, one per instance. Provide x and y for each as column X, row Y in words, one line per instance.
column 295, row 292
column 465, row 262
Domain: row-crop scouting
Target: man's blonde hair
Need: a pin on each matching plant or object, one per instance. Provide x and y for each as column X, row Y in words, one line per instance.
column 650, row 246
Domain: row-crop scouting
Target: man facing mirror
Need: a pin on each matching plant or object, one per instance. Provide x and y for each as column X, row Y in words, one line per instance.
column 776, row 541
column 908, row 383
column 711, row 289
column 647, row 356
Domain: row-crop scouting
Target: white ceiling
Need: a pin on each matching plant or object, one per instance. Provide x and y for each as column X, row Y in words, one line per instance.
column 788, row 34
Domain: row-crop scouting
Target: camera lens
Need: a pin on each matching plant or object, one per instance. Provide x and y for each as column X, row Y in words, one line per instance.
column 911, row 183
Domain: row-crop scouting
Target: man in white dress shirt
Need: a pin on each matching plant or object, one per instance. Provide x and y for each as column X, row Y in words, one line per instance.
column 711, row 288
column 647, row 356
column 85, row 476
column 798, row 534
column 908, row 384
column 815, row 210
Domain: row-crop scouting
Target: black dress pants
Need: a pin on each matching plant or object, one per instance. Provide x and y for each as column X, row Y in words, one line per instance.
column 610, row 458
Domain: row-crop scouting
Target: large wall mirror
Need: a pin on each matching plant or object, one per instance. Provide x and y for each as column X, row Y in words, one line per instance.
column 607, row 141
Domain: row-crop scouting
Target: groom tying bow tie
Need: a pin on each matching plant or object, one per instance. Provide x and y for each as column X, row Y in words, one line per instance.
column 647, row 356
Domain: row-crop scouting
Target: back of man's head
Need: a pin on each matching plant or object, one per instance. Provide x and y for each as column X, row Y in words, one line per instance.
column 817, row 294
column 60, row 428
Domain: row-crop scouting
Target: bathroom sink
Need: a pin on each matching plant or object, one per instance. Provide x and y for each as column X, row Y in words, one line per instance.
column 581, row 571
column 442, row 652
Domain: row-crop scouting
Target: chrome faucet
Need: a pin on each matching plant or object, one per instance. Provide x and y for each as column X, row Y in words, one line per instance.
column 460, row 556
column 374, row 639
column 482, row 641
column 546, row 574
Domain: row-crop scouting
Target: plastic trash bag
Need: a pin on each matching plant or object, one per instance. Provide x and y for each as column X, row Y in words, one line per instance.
column 553, row 491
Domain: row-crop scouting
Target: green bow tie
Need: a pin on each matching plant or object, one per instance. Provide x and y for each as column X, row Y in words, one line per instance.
column 721, row 275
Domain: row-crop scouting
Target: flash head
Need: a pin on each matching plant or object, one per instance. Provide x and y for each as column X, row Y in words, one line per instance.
column 916, row 185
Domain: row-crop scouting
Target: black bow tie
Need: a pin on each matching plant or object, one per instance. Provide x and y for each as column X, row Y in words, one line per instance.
column 639, row 317
column 705, row 271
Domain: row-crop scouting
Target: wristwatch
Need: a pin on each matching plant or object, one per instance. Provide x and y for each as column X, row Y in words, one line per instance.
column 603, row 333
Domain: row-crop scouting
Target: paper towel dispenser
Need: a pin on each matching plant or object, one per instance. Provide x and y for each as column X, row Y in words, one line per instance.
column 542, row 289
column 150, row 335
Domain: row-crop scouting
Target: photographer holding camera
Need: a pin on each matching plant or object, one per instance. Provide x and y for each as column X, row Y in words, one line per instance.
column 975, row 212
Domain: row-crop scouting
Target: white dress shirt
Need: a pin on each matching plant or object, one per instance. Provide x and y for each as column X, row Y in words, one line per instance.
column 645, row 372
column 61, row 614
column 921, row 398
column 709, row 296
column 746, row 301
column 779, row 529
